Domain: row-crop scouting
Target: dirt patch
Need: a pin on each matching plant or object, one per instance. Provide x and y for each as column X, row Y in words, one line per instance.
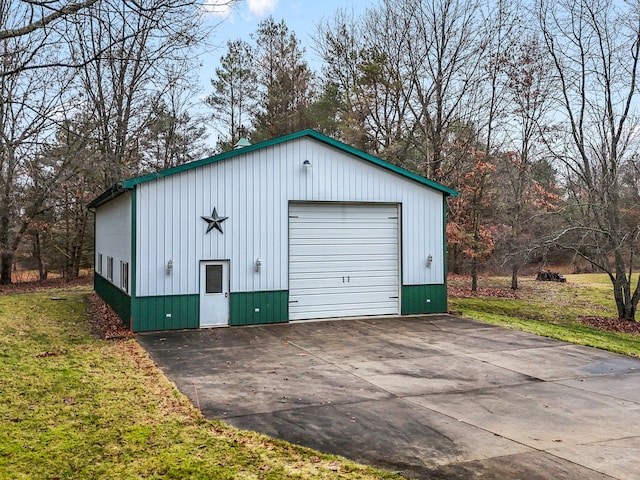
column 105, row 324
column 610, row 324
column 45, row 284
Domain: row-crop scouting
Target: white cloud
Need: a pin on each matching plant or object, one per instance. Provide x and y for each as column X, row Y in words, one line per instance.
column 262, row 7
column 221, row 8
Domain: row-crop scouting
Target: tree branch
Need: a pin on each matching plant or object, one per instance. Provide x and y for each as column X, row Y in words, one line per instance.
column 44, row 21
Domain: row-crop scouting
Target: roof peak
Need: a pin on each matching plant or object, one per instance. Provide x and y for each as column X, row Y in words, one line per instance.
column 130, row 183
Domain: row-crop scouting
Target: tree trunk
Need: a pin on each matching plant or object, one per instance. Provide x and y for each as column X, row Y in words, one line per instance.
column 81, row 221
column 37, row 253
column 626, row 303
column 453, row 260
column 474, row 274
column 6, row 260
column 514, row 277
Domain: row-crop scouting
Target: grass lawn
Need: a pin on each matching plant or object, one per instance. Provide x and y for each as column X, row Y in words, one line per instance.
column 549, row 309
column 73, row 407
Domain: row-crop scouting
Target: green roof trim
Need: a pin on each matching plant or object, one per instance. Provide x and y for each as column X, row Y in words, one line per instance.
column 131, row 183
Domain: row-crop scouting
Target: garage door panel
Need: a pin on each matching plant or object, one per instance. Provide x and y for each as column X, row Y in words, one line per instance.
column 348, row 232
column 355, row 228
column 310, row 269
column 357, row 259
column 343, row 260
column 337, row 302
column 349, row 310
column 369, row 239
column 361, row 284
column 343, row 250
column 341, row 213
column 353, row 277
column 353, row 231
column 367, row 236
column 334, row 296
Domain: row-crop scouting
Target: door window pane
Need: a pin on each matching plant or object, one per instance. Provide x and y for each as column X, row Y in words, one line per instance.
column 214, row 279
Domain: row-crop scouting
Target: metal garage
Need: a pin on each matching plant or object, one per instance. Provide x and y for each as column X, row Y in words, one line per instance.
column 343, row 260
column 295, row 228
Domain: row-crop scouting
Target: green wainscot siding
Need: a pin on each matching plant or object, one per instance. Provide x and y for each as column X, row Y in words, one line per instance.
column 424, row 299
column 254, row 308
column 119, row 301
column 169, row 312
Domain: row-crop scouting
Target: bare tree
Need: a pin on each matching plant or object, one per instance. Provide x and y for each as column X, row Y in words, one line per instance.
column 118, row 62
column 61, row 231
column 44, row 26
column 595, row 47
column 529, row 84
column 49, row 26
column 124, row 81
column 31, row 102
column 490, row 105
column 384, row 88
column 406, row 70
column 445, row 56
column 176, row 130
column 33, row 15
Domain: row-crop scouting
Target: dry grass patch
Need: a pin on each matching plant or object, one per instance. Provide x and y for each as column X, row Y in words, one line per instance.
column 581, row 311
column 73, row 406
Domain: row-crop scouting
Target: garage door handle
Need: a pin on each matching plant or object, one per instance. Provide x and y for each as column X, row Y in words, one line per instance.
column 342, row 279
column 348, row 279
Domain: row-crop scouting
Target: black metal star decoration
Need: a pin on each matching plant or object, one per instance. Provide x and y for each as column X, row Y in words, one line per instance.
column 214, row 221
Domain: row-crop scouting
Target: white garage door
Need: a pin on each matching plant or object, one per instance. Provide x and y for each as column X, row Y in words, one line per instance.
column 343, row 260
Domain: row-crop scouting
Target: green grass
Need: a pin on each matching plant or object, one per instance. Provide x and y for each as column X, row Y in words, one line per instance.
column 74, row 407
column 551, row 309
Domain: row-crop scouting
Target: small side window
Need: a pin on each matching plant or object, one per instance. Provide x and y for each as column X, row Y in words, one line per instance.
column 110, row 269
column 99, row 264
column 124, row 276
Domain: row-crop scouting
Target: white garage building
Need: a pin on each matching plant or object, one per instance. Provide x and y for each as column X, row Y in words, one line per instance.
column 296, row 228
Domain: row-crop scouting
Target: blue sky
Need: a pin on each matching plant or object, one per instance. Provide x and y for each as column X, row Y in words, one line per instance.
column 301, row 16
column 240, row 21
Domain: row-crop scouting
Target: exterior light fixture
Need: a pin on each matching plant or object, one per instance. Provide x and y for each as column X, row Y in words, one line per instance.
column 258, row 264
column 429, row 261
column 169, row 267
column 306, row 164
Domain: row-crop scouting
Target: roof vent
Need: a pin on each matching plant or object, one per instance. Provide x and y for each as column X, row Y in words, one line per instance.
column 243, row 142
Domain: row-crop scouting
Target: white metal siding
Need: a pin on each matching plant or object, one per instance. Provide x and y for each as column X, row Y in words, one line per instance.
column 113, row 235
column 343, row 260
column 254, row 191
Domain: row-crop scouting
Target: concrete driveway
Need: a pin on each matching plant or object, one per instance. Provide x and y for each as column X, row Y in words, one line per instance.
column 425, row 396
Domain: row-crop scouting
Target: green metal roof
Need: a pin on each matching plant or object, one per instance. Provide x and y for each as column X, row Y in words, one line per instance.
column 120, row 187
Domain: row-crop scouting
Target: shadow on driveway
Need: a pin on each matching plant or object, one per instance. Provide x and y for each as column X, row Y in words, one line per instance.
column 424, row 396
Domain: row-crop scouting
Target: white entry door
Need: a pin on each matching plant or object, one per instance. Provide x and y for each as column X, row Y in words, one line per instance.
column 214, row 293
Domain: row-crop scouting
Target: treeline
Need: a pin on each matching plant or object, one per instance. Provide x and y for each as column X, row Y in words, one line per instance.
column 92, row 92
column 528, row 108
